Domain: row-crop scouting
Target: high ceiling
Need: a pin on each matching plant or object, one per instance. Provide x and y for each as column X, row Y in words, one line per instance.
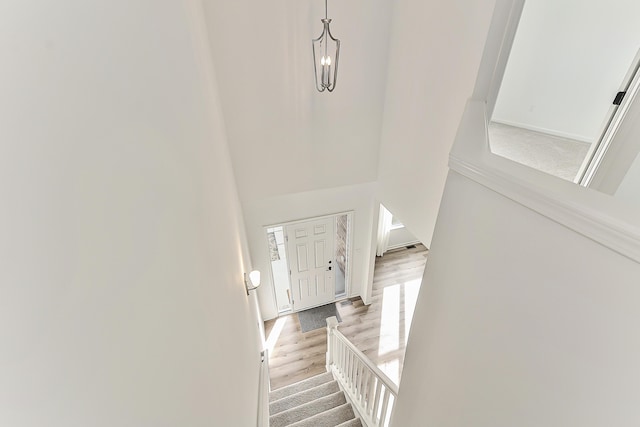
column 284, row 136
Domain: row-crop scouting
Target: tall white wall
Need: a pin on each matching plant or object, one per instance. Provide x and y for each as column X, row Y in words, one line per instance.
column 285, row 137
column 295, row 150
column 121, row 256
column 291, row 207
column 434, row 56
column 567, row 63
column 519, row 321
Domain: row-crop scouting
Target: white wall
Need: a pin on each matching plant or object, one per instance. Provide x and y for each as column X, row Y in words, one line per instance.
column 519, row 321
column 294, row 150
column 277, row 210
column 568, row 61
column 121, row 255
column 522, row 320
column 629, row 189
column 285, row 137
column 434, row 56
column 401, row 236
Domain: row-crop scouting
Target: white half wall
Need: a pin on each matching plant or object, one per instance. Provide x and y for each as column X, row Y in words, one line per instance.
column 122, row 246
column 567, row 63
column 292, row 207
column 519, row 321
column 435, row 53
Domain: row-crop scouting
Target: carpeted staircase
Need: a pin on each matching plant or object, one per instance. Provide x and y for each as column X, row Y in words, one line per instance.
column 314, row 402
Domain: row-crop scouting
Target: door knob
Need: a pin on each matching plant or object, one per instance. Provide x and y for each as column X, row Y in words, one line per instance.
column 329, row 269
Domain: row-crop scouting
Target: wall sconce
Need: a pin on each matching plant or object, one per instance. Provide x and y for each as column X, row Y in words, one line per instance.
column 252, row 281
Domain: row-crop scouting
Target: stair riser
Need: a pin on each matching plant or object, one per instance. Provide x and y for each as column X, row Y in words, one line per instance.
column 307, row 410
column 315, row 402
column 303, row 397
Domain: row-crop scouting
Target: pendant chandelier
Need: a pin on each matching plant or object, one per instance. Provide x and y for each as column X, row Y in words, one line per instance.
column 326, row 50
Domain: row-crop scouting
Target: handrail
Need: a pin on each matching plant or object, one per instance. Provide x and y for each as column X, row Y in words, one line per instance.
column 363, row 357
column 370, row 391
column 263, row 393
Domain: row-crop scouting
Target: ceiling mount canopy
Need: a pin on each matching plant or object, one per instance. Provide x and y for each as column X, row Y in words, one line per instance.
column 326, row 50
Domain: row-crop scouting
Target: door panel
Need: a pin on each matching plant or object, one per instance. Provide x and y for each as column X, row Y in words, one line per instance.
column 320, row 253
column 303, row 287
column 321, row 284
column 302, row 255
column 312, row 274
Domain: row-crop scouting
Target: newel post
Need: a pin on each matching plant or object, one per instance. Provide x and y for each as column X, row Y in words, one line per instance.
column 332, row 324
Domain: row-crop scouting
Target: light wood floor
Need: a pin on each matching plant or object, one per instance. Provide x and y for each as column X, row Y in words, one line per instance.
column 379, row 330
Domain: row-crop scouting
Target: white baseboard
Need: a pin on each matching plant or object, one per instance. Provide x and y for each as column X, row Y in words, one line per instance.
column 552, row 132
column 404, row 244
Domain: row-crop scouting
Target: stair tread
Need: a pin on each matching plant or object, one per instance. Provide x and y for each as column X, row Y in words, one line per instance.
column 355, row 422
column 309, row 410
column 300, row 386
column 303, row 397
column 331, row 418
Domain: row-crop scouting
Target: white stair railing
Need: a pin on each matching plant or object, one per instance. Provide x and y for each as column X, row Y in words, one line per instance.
column 370, row 391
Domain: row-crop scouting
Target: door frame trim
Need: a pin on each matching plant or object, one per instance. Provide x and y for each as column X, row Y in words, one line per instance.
column 596, row 155
column 350, row 234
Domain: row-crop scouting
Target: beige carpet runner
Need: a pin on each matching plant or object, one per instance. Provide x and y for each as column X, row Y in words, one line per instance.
column 314, row 402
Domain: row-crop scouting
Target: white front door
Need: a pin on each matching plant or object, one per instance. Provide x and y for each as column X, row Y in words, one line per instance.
column 311, row 261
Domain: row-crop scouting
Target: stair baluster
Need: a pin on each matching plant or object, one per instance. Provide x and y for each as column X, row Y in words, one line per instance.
column 371, row 392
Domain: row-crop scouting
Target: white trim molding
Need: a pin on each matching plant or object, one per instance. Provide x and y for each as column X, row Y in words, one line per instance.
column 595, row 215
column 264, row 390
